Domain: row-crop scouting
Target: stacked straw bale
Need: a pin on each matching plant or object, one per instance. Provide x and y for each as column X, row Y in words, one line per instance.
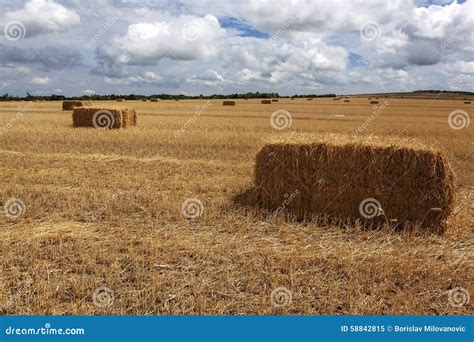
column 228, row 103
column 414, row 184
column 71, row 104
column 105, row 118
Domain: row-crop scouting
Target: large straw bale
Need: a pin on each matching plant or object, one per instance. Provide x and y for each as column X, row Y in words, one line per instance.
column 104, row 118
column 274, row 100
column 155, row 99
column 334, row 174
column 228, row 103
column 266, row 101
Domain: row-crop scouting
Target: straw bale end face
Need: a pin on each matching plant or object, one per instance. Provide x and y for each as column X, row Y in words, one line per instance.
column 104, row 118
column 401, row 186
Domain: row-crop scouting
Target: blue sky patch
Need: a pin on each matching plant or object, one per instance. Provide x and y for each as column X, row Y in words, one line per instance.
column 244, row 29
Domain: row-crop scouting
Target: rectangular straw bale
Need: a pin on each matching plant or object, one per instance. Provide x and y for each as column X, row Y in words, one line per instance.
column 70, row 104
column 228, row 103
column 274, row 100
column 414, row 184
column 374, row 102
column 155, row 100
column 115, row 117
column 266, row 101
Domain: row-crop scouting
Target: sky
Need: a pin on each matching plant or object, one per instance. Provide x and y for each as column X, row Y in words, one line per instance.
column 86, row 47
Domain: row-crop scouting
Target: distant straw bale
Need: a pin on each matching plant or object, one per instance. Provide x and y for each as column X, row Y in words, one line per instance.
column 104, row 118
column 71, row 104
column 398, row 182
column 266, row 101
column 228, row 103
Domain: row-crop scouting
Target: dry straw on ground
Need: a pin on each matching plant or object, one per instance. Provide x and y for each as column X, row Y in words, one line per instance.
column 71, row 104
column 266, row 101
column 414, row 184
column 106, row 118
column 228, row 103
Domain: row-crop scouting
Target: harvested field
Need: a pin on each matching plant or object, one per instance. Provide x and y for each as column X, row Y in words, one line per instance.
column 106, row 209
